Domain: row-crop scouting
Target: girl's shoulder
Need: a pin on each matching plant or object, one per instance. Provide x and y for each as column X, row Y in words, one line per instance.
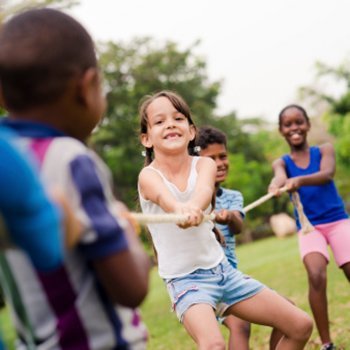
column 204, row 161
column 326, row 147
column 324, row 150
column 148, row 171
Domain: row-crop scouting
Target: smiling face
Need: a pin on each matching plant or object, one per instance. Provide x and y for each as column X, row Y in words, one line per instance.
column 168, row 130
column 218, row 153
column 294, row 127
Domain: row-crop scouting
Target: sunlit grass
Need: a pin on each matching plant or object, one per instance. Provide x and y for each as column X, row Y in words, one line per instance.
column 274, row 262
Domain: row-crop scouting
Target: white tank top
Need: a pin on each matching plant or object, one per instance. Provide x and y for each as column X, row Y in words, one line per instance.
column 182, row 251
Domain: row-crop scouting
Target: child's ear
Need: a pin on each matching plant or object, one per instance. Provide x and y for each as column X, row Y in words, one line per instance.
column 192, row 132
column 88, row 85
column 146, row 142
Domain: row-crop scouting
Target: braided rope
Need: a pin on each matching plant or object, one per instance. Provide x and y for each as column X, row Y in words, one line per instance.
column 144, row 219
column 262, row 200
column 305, row 224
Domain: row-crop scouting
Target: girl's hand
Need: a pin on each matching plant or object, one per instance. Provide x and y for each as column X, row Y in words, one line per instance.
column 293, row 184
column 275, row 189
column 194, row 215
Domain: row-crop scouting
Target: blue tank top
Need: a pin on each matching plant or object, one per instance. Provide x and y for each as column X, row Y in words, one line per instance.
column 322, row 203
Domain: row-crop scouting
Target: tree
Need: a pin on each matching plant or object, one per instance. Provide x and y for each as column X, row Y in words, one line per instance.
column 337, row 115
column 9, row 8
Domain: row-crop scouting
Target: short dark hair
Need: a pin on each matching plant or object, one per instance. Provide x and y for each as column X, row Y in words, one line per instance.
column 40, row 50
column 298, row 107
column 208, row 135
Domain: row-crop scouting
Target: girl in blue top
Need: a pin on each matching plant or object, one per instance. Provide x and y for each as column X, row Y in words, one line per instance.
column 310, row 171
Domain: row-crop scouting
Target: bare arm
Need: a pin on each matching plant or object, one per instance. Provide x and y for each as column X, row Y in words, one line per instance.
column 125, row 275
column 326, row 173
column 280, row 177
column 153, row 188
column 205, row 185
column 120, row 263
column 232, row 218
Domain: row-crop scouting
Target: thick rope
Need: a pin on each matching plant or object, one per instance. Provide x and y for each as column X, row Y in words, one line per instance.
column 144, row 219
column 305, row 224
column 262, row 199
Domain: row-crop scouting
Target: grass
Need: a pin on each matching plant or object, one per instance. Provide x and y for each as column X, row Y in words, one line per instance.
column 274, row 262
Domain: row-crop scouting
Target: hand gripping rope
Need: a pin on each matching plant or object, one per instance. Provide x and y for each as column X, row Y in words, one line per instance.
column 144, row 219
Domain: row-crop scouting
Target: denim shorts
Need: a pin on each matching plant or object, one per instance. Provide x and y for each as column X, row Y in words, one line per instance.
column 222, row 285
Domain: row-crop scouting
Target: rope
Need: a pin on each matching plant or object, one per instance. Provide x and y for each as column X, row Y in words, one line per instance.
column 262, row 200
column 144, row 219
column 305, row 224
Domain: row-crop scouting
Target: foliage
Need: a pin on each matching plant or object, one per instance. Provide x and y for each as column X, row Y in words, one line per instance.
column 141, row 67
column 10, row 7
column 132, row 71
column 337, row 115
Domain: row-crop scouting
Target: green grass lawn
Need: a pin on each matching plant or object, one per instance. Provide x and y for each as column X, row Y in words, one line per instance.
column 274, row 262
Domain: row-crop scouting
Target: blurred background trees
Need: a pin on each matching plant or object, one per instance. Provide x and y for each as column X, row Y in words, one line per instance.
column 143, row 66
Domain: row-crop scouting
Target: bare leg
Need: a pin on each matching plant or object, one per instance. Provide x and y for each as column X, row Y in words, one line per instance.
column 275, row 337
column 201, row 324
column 346, row 269
column 316, row 267
column 270, row 309
column 239, row 333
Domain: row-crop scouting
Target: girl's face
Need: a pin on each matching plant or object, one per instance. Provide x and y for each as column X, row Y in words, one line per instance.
column 294, row 127
column 168, row 129
column 218, row 153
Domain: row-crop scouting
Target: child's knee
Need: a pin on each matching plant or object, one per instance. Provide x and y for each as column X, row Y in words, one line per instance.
column 212, row 343
column 303, row 328
column 318, row 279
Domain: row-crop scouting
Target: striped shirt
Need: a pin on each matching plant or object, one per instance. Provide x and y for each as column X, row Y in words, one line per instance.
column 229, row 200
column 67, row 308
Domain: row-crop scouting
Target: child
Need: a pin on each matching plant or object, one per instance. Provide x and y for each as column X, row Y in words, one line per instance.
column 50, row 85
column 229, row 218
column 190, row 259
column 26, row 212
column 29, row 218
column 310, row 171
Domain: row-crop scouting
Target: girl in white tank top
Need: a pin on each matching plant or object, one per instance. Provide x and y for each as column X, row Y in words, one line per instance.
column 191, row 261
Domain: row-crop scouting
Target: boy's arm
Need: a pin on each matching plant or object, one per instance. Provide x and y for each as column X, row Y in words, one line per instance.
column 125, row 275
column 232, row 218
column 111, row 244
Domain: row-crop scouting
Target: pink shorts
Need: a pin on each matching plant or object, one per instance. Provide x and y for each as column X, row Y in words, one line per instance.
column 336, row 234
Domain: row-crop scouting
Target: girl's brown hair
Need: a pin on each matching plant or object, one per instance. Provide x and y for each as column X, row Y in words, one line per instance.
column 180, row 105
